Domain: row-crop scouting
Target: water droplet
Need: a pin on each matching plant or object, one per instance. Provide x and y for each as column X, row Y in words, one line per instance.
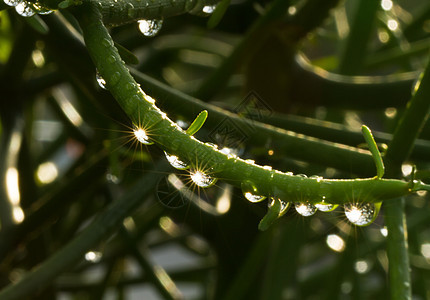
column 250, row 192
column 131, row 12
column 24, row 9
column 325, row 207
column 150, row 28
column 201, row 179
column 111, row 59
column 100, row 80
column 129, row 86
column 360, row 214
column 176, row 162
column 306, row 209
column 253, row 198
column 41, row 10
column 115, row 78
column 209, row 9
column 267, row 168
column 149, row 99
column 106, row 42
column 12, row 2
column 93, row 256
column 302, row 175
column 141, row 136
column 284, row 207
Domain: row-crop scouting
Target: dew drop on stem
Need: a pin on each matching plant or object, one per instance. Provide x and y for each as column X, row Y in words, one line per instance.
column 12, row 2
column 209, row 9
column 24, row 9
column 305, row 209
column 250, row 192
column 284, row 207
column 175, row 162
column 141, row 136
column 202, row 179
column 360, row 214
column 150, row 28
column 100, row 80
column 325, row 207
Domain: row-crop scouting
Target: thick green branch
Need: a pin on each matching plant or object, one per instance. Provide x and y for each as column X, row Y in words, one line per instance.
column 161, row 130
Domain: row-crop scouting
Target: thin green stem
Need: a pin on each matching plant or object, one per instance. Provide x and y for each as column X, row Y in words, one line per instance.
column 399, row 149
column 355, row 48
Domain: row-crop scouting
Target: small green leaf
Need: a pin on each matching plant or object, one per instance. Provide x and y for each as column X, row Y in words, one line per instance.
column 219, row 12
column 377, row 158
column 197, row 123
column 37, row 24
column 127, row 55
column 271, row 215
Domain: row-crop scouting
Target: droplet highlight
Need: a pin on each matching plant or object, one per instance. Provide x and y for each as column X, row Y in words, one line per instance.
column 12, row 2
column 141, row 136
column 201, row 179
column 360, row 214
column 305, row 209
column 100, row 81
column 175, row 162
column 250, row 192
column 24, row 9
column 150, row 28
column 325, row 207
column 209, row 9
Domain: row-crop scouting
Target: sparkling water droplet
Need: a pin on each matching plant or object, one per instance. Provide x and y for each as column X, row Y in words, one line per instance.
column 209, row 9
column 201, row 179
column 306, row 209
column 149, row 99
column 176, row 162
column 250, row 192
column 360, row 214
column 325, row 207
column 100, row 80
column 150, row 28
column 12, row 2
column 41, row 10
column 253, row 198
column 24, row 9
column 141, row 136
column 284, row 207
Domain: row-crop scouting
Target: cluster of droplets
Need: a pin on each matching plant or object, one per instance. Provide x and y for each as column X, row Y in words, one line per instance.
column 150, row 28
column 27, row 9
column 360, row 214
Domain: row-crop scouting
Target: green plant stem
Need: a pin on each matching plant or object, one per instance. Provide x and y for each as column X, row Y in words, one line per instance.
column 162, row 131
column 296, row 145
column 399, row 149
column 355, row 49
column 364, row 92
column 103, row 225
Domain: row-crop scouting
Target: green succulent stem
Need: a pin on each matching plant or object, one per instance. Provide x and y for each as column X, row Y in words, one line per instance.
column 408, row 130
column 162, row 131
